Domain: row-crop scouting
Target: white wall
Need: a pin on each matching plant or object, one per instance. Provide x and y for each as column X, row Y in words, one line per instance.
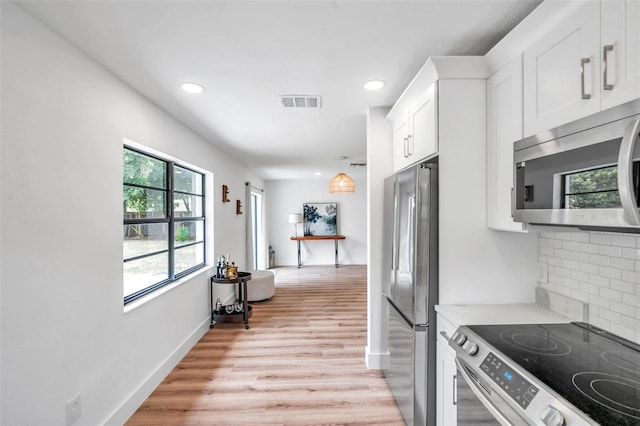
column 64, row 329
column 477, row 265
column 286, row 196
column 379, row 151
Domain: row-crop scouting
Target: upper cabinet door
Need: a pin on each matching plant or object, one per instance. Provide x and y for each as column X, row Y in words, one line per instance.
column 620, row 51
column 562, row 71
column 415, row 128
column 423, row 140
column 504, row 127
column 401, row 141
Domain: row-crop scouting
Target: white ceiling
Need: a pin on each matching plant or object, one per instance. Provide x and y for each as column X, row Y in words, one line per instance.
column 247, row 53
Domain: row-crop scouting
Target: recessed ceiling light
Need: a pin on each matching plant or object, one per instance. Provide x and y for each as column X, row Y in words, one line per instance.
column 318, row 173
column 375, row 84
column 192, row 87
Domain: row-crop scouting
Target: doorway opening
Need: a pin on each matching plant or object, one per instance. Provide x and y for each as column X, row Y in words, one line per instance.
column 257, row 229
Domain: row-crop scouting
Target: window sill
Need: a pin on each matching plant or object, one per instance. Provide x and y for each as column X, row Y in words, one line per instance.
column 138, row 303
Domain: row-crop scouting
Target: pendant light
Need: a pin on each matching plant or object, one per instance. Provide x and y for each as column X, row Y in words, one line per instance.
column 342, row 183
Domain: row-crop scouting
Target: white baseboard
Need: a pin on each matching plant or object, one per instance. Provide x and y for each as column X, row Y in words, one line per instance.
column 376, row 360
column 126, row 410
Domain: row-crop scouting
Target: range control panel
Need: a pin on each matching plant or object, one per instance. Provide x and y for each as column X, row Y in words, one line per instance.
column 519, row 389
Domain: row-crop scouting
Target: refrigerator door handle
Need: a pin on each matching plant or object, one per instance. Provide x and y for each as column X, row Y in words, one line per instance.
column 394, row 240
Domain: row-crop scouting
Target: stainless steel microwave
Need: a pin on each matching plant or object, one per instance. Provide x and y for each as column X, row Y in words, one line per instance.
column 584, row 174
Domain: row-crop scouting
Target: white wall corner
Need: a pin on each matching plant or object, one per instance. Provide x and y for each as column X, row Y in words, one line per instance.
column 379, row 166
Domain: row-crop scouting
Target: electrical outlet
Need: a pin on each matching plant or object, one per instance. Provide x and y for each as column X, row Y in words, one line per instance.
column 543, row 273
column 73, row 409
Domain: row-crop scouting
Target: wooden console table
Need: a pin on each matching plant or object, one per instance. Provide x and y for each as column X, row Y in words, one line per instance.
column 315, row 238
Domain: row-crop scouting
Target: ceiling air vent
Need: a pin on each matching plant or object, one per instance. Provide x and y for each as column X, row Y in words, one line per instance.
column 357, row 164
column 301, row 101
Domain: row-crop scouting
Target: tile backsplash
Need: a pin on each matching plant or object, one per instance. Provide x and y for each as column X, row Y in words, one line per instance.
column 597, row 268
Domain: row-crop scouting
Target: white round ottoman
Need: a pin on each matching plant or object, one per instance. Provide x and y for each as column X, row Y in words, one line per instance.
column 261, row 286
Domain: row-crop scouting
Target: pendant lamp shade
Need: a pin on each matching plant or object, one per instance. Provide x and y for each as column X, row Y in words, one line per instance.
column 341, row 184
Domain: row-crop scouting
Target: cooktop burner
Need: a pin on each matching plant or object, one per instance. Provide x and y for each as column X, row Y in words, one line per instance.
column 612, row 392
column 629, row 361
column 535, row 342
column 597, row 372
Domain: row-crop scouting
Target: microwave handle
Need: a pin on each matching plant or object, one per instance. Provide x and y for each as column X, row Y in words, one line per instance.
column 625, row 173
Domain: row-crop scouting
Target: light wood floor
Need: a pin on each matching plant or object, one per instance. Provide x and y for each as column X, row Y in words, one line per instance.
column 300, row 363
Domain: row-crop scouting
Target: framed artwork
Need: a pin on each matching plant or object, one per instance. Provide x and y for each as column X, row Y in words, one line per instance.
column 320, row 219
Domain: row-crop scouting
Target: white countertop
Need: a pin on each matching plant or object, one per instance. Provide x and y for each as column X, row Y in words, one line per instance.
column 512, row 313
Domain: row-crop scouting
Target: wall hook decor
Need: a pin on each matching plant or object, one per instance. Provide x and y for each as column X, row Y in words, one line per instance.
column 225, row 194
column 238, row 207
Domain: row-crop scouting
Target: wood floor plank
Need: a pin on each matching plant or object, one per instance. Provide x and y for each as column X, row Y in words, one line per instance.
column 300, row 363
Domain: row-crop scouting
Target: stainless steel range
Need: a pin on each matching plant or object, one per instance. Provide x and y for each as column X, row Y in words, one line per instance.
column 551, row 374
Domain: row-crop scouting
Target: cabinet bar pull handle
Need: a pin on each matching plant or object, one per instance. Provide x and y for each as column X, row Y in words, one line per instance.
column 406, row 147
column 455, row 390
column 605, row 50
column 409, row 149
column 513, row 203
column 582, row 62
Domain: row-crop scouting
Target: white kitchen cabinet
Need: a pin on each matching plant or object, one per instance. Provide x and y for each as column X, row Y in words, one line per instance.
column 620, row 41
column 504, row 127
column 564, row 69
column 561, row 71
column 423, row 121
column 446, row 413
column 400, row 140
column 414, row 127
column 446, row 409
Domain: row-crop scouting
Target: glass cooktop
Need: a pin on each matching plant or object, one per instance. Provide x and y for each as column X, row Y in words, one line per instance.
column 597, row 372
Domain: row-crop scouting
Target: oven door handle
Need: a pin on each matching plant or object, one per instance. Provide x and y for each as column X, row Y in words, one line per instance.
column 625, row 173
column 462, row 368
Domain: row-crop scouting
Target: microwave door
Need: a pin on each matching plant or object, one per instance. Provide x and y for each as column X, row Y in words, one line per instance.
column 574, row 180
column 627, row 179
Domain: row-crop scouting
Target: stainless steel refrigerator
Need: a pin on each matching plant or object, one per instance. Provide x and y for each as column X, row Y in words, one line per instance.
column 410, row 271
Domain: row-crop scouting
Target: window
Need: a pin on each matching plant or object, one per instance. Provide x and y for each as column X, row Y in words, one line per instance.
column 590, row 189
column 596, row 188
column 164, row 225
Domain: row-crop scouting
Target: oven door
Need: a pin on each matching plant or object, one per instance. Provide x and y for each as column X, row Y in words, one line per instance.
column 478, row 404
